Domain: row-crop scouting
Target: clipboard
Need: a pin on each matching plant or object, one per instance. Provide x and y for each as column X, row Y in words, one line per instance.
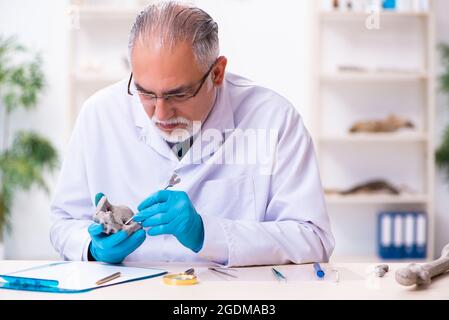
column 73, row 277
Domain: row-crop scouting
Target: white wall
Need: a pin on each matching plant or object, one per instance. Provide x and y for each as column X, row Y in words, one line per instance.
column 267, row 41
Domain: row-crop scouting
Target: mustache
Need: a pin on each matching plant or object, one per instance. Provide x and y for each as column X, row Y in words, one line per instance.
column 176, row 120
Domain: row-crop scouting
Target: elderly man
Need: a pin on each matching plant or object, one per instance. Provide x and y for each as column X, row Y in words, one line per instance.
column 250, row 191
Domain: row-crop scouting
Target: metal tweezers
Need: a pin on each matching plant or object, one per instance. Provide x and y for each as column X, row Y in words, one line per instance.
column 223, row 271
column 190, row 271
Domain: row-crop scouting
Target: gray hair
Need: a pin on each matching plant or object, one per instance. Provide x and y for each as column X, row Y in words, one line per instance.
column 169, row 23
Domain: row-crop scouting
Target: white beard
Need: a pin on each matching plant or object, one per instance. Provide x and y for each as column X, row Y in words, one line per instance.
column 177, row 135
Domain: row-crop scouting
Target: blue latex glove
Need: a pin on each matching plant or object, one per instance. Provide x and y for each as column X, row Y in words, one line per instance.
column 112, row 248
column 172, row 212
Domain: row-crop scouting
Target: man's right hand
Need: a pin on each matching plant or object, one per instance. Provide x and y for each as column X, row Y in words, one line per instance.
column 113, row 248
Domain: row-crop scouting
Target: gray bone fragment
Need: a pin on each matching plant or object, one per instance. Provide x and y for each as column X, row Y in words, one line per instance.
column 113, row 217
column 381, row 270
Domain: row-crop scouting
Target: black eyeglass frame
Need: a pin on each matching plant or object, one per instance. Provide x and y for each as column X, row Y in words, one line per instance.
column 167, row 96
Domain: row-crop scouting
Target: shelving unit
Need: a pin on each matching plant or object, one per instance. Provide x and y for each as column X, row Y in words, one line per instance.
column 395, row 75
column 377, row 199
column 98, row 48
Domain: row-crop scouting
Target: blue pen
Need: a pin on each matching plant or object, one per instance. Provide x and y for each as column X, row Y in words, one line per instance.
column 319, row 272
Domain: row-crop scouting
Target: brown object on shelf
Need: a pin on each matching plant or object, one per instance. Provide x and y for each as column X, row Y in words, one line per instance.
column 390, row 124
column 336, row 4
column 352, row 68
column 371, row 187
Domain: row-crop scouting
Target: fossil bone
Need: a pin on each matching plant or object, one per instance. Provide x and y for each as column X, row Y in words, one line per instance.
column 422, row 274
column 371, row 187
column 113, row 217
column 390, row 124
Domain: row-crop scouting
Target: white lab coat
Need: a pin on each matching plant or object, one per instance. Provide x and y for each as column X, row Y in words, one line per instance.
column 253, row 214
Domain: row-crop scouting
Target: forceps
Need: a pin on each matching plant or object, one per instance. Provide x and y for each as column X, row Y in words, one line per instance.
column 174, row 180
column 223, row 271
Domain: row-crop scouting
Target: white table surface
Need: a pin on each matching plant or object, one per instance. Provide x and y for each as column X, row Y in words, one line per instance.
column 258, row 283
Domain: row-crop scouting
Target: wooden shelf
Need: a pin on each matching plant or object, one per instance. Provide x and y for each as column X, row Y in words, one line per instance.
column 374, row 76
column 95, row 78
column 108, row 12
column 371, row 259
column 376, row 138
column 341, row 15
column 377, row 199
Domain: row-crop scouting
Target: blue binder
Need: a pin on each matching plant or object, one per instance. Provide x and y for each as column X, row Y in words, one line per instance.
column 398, row 235
column 421, row 235
column 409, row 234
column 385, row 235
column 389, row 4
column 402, row 235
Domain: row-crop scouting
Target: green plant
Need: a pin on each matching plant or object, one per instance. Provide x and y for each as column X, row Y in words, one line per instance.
column 442, row 154
column 24, row 157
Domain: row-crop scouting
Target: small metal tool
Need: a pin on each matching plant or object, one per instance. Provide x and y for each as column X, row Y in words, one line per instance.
column 174, row 180
column 223, row 271
column 278, row 275
column 190, row 271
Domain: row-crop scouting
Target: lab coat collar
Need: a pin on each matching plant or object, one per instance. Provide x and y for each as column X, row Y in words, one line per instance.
column 221, row 118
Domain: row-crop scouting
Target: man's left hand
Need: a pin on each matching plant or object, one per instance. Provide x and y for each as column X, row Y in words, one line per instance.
column 172, row 212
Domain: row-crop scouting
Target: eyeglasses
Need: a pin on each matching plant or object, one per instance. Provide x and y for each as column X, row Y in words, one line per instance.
column 150, row 99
